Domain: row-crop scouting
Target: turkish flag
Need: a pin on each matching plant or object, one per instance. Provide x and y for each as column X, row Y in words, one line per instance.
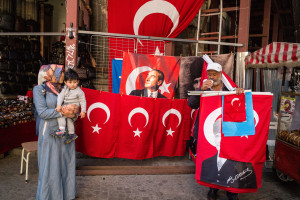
column 151, row 18
column 229, row 175
column 251, row 148
column 96, row 132
column 234, row 109
column 172, row 127
column 137, row 66
column 135, row 140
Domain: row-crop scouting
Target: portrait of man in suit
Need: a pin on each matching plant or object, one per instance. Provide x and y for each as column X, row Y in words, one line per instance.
column 224, row 172
column 154, row 80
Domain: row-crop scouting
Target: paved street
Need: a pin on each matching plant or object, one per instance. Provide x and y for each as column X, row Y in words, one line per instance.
column 140, row 187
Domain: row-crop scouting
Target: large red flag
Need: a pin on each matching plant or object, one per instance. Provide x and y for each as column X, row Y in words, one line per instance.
column 152, row 18
column 213, row 171
column 137, row 66
column 135, row 140
column 251, row 148
column 173, row 119
column 97, row 135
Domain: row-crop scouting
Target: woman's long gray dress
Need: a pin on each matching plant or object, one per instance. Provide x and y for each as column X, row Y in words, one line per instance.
column 56, row 160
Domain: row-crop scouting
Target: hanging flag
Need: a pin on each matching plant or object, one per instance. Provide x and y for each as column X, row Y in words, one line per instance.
column 240, row 128
column 116, row 74
column 135, row 139
column 234, row 109
column 172, row 127
column 97, row 135
column 251, row 148
column 152, row 18
column 137, row 66
column 211, row 170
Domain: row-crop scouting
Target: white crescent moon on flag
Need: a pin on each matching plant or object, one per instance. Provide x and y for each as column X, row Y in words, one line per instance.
column 255, row 117
column 99, row 105
column 233, row 100
column 138, row 110
column 131, row 79
column 208, row 127
column 192, row 112
column 156, row 6
column 171, row 111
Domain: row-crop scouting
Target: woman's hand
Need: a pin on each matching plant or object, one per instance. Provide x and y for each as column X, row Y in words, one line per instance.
column 69, row 110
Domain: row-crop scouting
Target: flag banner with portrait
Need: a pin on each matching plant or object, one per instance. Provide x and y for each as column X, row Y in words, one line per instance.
column 189, row 74
column 215, row 171
column 137, row 66
column 132, row 127
column 96, row 132
column 251, row 148
column 151, row 18
column 244, row 128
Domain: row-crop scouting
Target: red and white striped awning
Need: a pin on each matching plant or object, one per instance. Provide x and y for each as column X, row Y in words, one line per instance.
column 276, row 54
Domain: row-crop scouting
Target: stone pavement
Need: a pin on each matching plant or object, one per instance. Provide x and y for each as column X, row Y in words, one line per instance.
column 127, row 187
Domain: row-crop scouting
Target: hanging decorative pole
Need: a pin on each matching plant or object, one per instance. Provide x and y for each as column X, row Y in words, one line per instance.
column 71, row 34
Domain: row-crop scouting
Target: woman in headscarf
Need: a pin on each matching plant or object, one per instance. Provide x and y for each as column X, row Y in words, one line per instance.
column 56, row 160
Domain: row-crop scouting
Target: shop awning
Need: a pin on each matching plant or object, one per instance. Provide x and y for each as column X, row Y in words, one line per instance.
column 274, row 55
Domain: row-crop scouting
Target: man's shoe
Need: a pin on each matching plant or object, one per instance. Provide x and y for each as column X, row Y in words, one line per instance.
column 58, row 133
column 212, row 194
column 71, row 138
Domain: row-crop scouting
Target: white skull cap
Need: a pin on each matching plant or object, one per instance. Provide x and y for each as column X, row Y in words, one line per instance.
column 214, row 66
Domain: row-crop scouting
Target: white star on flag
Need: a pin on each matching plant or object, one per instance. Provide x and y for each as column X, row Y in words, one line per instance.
column 96, row 128
column 137, row 132
column 157, row 52
column 244, row 136
column 164, row 88
column 170, row 132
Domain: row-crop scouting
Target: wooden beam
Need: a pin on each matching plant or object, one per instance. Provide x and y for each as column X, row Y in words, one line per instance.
column 275, row 27
column 71, row 33
column 215, row 10
column 244, row 22
column 266, row 23
column 216, row 38
column 258, row 35
column 133, row 170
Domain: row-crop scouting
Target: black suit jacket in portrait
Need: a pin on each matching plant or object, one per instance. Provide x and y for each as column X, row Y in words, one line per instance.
column 144, row 93
column 232, row 174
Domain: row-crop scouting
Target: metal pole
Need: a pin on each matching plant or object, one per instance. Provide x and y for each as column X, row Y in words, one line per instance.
column 220, row 25
column 198, row 30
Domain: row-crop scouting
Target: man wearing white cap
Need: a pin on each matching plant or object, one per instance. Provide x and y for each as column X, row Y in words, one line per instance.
column 212, row 83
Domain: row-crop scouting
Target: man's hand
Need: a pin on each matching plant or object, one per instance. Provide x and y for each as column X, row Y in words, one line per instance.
column 69, row 110
column 82, row 115
column 239, row 91
column 58, row 108
column 207, row 84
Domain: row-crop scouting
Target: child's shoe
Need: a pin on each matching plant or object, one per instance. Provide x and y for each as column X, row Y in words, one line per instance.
column 58, row 133
column 71, row 138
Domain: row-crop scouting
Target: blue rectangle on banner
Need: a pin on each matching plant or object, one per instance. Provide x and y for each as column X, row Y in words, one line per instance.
column 116, row 74
column 240, row 128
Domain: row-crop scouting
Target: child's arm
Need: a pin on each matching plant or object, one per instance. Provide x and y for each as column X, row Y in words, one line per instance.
column 82, row 101
column 60, row 99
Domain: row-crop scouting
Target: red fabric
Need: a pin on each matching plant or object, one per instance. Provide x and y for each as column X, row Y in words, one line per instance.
column 210, row 111
column 151, row 18
column 135, row 139
column 131, row 127
column 15, row 135
column 29, row 94
column 251, row 148
column 102, row 112
column 234, row 108
column 172, row 127
column 137, row 66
